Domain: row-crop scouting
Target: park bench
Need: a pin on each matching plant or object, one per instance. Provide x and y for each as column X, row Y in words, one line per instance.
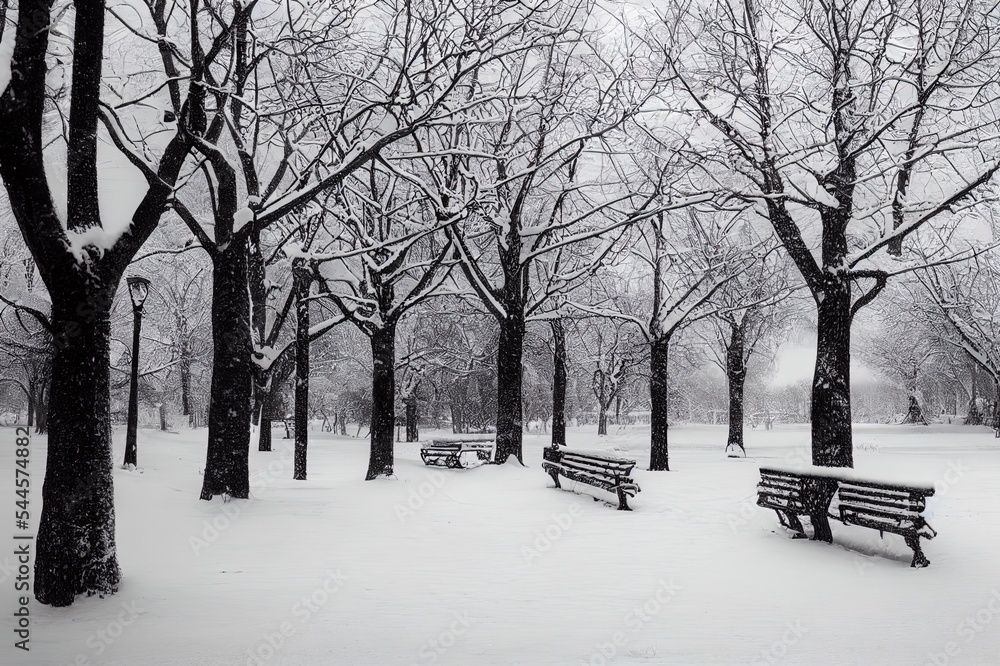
column 289, row 428
column 601, row 471
column 782, row 491
column 448, row 453
column 885, row 507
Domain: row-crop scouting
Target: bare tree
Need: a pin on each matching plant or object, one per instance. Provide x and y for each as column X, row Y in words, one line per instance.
column 81, row 254
column 753, row 314
column 521, row 181
column 388, row 263
column 850, row 125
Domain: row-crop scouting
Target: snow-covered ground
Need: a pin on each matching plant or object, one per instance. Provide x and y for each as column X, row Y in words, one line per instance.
column 493, row 566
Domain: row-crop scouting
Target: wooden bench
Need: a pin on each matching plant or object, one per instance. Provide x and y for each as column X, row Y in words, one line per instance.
column 782, row 491
column 447, row 453
column 887, row 508
column 607, row 472
column 882, row 506
column 289, row 428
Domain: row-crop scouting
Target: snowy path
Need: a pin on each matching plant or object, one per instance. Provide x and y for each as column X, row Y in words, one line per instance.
column 696, row 574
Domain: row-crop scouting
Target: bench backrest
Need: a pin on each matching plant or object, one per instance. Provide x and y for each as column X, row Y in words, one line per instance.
column 884, row 496
column 454, row 445
column 590, row 463
column 785, row 483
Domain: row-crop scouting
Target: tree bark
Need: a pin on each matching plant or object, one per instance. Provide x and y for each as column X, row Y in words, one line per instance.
column 658, row 400
column 602, row 416
column 558, row 383
column 831, row 393
column 302, row 283
column 736, row 374
column 509, row 376
column 76, row 536
column 227, row 470
column 383, row 343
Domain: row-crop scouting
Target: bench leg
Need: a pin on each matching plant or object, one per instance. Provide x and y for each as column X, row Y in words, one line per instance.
column 919, row 560
column 555, row 477
column 790, row 521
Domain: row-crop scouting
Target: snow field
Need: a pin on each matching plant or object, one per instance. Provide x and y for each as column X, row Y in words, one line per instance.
column 492, row 565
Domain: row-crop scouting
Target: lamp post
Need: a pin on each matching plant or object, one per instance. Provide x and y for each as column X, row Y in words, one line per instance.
column 138, row 289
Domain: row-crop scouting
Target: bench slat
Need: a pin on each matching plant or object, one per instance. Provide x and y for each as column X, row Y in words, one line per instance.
column 597, row 464
column 889, row 493
column 847, row 497
column 568, row 472
column 595, row 469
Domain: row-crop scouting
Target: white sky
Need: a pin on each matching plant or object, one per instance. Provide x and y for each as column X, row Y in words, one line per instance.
column 796, row 361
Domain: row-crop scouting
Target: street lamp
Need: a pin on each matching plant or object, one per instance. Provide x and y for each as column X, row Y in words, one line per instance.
column 138, row 289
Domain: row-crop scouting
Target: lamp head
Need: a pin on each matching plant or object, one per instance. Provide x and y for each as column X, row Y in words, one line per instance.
column 138, row 289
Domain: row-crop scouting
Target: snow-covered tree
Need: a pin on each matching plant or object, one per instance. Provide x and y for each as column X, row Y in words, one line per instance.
column 849, row 125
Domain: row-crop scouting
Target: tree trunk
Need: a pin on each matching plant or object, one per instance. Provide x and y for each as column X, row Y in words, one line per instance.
column 163, row 416
column 185, row 372
column 509, row 375
column 736, row 374
column 42, row 409
column 264, row 442
column 913, row 412
column 412, row 429
column 342, row 421
column 31, row 404
column 76, row 536
column 258, row 302
column 383, row 342
column 831, row 391
column 227, row 469
column 602, row 417
column 302, row 280
column 973, row 416
column 558, row 383
column 658, row 400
